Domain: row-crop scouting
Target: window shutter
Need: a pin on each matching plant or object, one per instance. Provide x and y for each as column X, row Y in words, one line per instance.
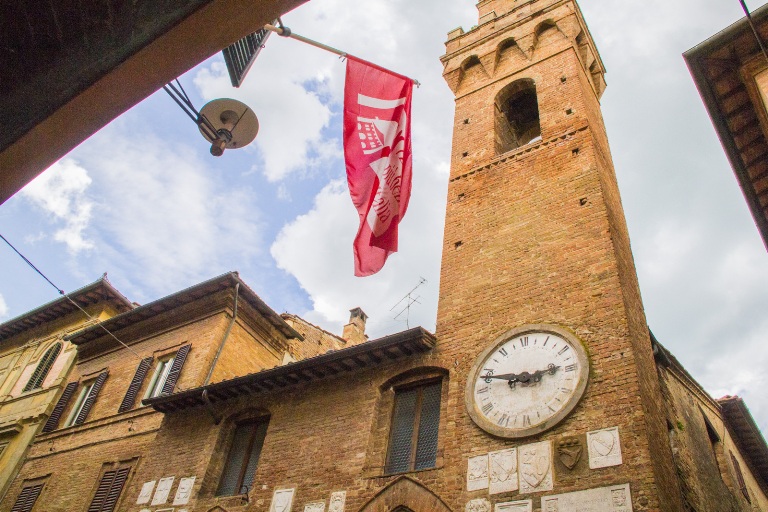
column 58, row 410
column 43, row 367
column 173, row 375
column 133, row 389
column 27, row 498
column 89, row 401
column 740, row 478
column 102, row 491
column 115, row 489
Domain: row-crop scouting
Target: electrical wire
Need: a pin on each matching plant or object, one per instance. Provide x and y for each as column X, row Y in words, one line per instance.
column 63, row 294
column 754, row 28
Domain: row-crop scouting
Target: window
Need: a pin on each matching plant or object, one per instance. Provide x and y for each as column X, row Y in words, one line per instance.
column 415, row 422
column 82, row 398
column 43, row 367
column 27, row 498
column 243, row 457
column 516, row 116
column 108, row 492
column 167, row 373
column 85, row 400
column 159, row 377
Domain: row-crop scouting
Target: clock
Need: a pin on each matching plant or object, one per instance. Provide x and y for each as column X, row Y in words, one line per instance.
column 527, row 381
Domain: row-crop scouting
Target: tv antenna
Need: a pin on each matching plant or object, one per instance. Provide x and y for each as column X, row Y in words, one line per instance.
column 409, row 300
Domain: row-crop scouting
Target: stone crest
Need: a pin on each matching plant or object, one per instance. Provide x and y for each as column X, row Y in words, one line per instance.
column 569, row 451
column 337, row 501
column 604, row 448
column 477, row 473
column 503, row 471
column 282, row 500
column 478, row 505
column 535, row 467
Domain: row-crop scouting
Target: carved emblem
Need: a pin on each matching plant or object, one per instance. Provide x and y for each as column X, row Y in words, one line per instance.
column 337, row 501
column 478, row 505
column 536, row 467
column 569, row 451
column 318, row 506
column 503, row 471
column 282, row 500
column 477, row 473
column 602, row 443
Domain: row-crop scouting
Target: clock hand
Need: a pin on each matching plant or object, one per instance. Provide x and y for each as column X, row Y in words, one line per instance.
column 551, row 369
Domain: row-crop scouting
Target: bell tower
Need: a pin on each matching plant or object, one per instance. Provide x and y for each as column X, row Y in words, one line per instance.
column 535, row 235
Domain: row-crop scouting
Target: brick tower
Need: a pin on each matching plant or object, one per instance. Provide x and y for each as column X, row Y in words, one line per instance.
column 535, row 235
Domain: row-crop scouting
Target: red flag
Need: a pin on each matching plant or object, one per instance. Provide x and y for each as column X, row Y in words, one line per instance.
column 377, row 149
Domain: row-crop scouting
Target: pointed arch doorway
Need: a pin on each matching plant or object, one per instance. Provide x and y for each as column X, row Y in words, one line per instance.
column 405, row 495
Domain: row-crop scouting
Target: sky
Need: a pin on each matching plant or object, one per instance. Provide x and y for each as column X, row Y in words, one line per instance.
column 144, row 201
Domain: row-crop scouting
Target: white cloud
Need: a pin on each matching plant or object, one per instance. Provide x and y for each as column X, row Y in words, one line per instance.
column 164, row 217
column 61, row 193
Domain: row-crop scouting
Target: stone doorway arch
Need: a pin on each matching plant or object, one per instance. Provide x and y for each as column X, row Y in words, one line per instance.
column 405, row 495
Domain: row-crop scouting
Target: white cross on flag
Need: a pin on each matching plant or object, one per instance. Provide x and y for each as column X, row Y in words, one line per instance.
column 377, row 149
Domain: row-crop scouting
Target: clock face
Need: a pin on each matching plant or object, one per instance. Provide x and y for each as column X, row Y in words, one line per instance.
column 527, row 381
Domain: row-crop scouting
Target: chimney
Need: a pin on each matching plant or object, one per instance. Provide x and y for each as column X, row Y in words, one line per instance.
column 354, row 331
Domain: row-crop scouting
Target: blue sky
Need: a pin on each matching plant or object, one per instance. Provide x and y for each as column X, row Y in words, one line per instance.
column 144, row 201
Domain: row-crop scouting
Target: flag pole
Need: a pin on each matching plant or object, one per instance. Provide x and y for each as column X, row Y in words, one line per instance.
column 286, row 32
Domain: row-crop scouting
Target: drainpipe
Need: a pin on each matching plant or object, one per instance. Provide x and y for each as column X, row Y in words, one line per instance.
column 218, row 353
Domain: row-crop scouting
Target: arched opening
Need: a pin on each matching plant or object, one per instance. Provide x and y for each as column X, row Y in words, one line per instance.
column 517, row 116
column 469, row 62
column 43, row 367
column 405, row 495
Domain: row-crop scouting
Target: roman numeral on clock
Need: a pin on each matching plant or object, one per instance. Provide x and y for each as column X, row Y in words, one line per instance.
column 504, row 420
column 563, row 350
column 487, row 408
column 524, row 341
column 570, row 368
column 503, row 351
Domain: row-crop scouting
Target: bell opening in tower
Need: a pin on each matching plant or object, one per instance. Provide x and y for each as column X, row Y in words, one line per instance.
column 517, row 116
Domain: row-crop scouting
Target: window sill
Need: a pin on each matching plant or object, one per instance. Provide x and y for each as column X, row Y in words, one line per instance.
column 409, row 472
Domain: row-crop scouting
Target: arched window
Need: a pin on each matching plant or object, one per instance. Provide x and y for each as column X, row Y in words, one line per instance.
column 517, row 116
column 43, row 367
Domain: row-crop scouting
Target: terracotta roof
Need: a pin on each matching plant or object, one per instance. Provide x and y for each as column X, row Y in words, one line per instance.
column 222, row 282
column 735, row 107
column 98, row 291
column 365, row 355
column 747, row 436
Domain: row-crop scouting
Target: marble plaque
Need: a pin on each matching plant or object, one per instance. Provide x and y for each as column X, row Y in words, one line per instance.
column 604, row 448
column 534, row 467
column 145, row 510
column 338, row 499
column 615, row 498
column 184, row 491
column 515, row 506
column 477, row 473
column 163, row 490
column 478, row 505
column 503, row 471
column 282, row 500
column 146, row 492
column 318, row 506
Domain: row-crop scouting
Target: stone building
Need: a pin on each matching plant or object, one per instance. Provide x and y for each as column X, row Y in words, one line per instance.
column 35, row 361
column 542, row 388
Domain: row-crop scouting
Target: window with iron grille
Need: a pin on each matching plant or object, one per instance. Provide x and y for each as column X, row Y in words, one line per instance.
column 243, row 457
column 413, row 433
